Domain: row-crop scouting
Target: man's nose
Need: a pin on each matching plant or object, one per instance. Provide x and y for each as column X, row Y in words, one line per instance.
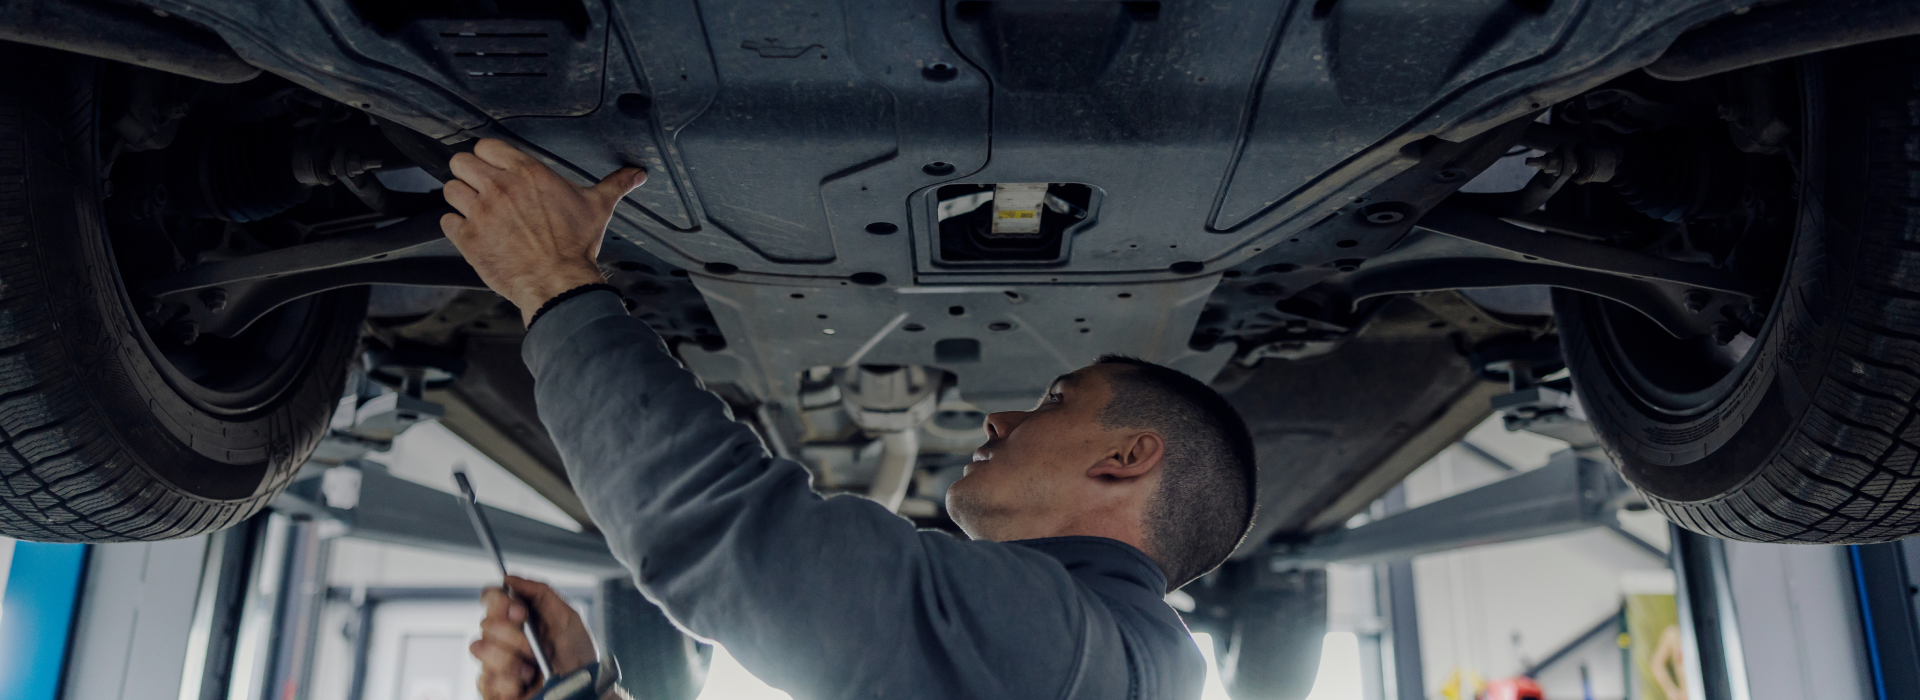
column 1000, row 425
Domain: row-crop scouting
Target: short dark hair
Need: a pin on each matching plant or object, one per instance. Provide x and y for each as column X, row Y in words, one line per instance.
column 1205, row 502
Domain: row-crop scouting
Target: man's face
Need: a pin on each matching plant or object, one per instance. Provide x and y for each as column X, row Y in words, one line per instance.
column 1035, row 463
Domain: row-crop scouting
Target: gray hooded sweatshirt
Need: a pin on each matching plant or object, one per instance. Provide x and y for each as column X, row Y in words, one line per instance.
column 831, row 597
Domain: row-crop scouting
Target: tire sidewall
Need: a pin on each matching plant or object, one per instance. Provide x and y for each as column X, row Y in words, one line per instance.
column 235, row 459
column 1714, row 453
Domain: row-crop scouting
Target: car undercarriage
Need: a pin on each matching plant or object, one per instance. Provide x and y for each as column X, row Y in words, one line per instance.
column 1369, row 223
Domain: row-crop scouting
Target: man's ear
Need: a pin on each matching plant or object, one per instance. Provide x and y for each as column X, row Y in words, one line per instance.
column 1137, row 457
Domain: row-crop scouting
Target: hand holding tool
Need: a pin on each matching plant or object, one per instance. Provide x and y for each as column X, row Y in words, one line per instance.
column 485, row 531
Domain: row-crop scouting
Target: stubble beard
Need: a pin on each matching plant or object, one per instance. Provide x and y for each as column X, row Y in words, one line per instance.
column 966, row 509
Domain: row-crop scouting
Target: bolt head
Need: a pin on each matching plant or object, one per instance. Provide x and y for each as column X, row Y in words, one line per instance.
column 1696, row 300
column 215, row 299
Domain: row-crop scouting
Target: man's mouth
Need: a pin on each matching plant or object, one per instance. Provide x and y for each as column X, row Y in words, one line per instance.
column 982, row 455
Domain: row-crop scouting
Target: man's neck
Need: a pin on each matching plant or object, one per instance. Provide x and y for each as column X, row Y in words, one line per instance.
column 1113, row 524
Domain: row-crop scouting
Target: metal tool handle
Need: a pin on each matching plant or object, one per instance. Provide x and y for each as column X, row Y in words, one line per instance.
column 480, row 527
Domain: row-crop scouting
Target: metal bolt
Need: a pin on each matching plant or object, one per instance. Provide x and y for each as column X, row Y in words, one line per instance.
column 1696, row 300
column 1548, row 163
column 215, row 299
column 184, row 332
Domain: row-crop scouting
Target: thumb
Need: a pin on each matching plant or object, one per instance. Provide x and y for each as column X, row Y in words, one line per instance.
column 618, row 184
column 545, row 602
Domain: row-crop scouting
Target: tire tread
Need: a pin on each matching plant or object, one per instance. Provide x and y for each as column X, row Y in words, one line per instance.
column 64, row 475
column 1848, row 473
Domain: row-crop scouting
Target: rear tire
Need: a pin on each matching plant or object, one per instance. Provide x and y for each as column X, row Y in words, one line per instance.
column 1813, row 438
column 102, row 438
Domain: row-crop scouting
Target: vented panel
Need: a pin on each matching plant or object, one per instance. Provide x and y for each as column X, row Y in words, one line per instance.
column 509, row 58
column 514, row 66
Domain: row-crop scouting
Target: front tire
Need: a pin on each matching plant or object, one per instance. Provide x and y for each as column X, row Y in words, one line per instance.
column 1811, row 437
column 109, row 435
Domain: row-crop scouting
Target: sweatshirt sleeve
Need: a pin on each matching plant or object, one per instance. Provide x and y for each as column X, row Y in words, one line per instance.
column 821, row 597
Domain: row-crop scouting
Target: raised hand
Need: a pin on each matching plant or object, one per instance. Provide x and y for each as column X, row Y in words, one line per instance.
column 530, row 233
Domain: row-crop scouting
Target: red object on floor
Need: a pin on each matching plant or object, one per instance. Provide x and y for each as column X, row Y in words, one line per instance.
column 1515, row 688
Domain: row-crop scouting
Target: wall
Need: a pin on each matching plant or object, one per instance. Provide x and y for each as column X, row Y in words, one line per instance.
column 130, row 636
column 1799, row 617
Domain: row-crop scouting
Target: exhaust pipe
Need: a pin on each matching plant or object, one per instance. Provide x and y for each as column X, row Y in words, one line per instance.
column 131, row 35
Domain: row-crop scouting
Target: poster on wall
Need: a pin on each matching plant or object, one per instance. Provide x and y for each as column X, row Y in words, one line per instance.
column 1657, row 664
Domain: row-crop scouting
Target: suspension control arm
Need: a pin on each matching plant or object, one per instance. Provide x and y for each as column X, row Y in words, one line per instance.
column 224, row 297
column 1453, row 247
column 1572, row 252
column 419, row 236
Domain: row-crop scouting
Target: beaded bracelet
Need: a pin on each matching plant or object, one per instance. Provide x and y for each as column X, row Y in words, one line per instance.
column 577, row 291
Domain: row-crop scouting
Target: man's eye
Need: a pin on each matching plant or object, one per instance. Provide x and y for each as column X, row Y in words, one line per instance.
column 1053, row 397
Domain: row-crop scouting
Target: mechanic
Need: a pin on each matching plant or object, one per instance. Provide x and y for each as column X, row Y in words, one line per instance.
column 1125, row 482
